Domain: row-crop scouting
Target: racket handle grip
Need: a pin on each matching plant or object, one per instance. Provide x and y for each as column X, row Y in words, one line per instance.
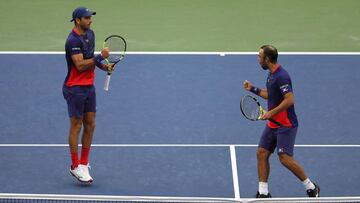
column 107, row 82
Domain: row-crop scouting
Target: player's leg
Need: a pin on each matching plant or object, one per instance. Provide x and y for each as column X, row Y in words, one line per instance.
column 266, row 146
column 285, row 148
column 75, row 102
column 75, row 99
column 262, row 156
column 75, row 127
column 76, row 170
column 89, row 124
column 89, row 128
column 290, row 163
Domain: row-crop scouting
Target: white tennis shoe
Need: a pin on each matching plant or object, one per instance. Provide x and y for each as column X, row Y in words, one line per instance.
column 81, row 173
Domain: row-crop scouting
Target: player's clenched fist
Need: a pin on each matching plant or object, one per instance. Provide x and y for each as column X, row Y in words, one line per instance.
column 247, row 85
column 105, row 52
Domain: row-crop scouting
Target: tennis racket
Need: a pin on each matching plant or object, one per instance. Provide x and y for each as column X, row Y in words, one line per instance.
column 117, row 48
column 250, row 107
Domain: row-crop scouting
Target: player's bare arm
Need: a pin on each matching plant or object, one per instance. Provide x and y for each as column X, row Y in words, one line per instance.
column 82, row 64
column 285, row 104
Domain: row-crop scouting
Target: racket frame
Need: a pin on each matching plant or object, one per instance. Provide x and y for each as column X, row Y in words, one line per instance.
column 261, row 110
column 109, row 72
column 122, row 55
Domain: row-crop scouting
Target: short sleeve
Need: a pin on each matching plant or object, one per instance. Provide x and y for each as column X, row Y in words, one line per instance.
column 74, row 46
column 284, row 84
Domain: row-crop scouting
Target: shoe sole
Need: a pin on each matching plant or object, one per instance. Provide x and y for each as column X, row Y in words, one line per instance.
column 87, row 182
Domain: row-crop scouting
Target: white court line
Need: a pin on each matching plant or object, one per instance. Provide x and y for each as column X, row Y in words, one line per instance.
column 234, row 172
column 178, row 145
column 186, row 53
column 111, row 198
column 19, row 196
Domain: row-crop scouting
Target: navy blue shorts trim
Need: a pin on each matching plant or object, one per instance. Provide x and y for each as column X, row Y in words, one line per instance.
column 282, row 138
column 80, row 99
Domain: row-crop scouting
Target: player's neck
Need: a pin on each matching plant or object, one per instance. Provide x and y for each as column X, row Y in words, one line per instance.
column 79, row 30
column 273, row 67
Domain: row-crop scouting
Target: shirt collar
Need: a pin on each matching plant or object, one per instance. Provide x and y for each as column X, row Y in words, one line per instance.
column 277, row 66
column 76, row 32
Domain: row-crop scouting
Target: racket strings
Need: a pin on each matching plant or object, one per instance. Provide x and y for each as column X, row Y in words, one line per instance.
column 117, row 48
column 113, row 58
column 250, row 108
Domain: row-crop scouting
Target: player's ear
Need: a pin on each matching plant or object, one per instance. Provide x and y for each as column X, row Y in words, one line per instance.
column 266, row 59
column 77, row 20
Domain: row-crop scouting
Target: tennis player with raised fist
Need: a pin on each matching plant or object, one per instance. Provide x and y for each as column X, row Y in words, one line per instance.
column 280, row 100
column 79, row 90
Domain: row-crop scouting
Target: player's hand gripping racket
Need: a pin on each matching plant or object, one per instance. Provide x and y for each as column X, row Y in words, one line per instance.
column 250, row 107
column 117, row 48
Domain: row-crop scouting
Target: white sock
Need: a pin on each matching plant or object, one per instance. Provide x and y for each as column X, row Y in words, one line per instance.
column 263, row 188
column 308, row 184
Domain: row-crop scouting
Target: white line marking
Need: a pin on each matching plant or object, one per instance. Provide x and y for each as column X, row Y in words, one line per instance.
column 186, row 53
column 234, row 172
column 112, row 198
column 19, row 196
column 174, row 145
column 32, row 52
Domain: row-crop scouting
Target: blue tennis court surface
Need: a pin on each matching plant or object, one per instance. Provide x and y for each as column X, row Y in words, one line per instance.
column 190, row 101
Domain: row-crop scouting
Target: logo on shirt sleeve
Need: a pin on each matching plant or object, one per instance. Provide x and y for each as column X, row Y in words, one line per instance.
column 284, row 88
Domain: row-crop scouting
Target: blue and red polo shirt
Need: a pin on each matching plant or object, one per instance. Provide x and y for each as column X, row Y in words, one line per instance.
column 76, row 44
column 278, row 84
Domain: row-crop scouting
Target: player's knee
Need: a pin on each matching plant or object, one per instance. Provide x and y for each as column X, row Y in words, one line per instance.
column 90, row 125
column 76, row 123
column 285, row 159
column 262, row 154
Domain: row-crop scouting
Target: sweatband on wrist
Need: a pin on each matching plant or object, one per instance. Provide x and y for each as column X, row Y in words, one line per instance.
column 98, row 60
column 255, row 90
